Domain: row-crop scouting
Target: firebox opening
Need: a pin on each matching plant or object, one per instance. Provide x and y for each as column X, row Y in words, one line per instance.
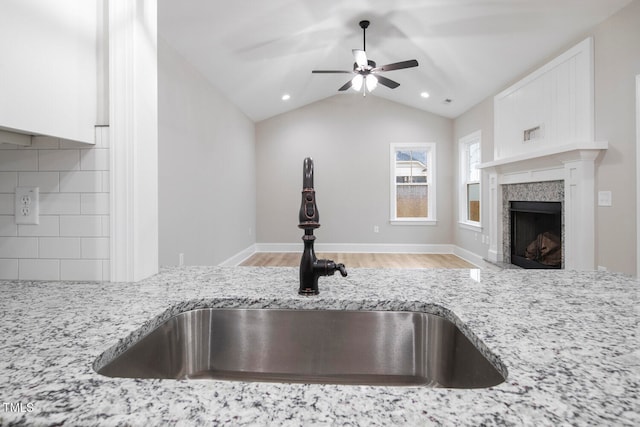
column 536, row 234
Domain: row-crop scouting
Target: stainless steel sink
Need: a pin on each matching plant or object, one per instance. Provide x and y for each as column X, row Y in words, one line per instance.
column 308, row 346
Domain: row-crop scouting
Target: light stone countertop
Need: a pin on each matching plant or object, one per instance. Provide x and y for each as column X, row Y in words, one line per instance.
column 569, row 341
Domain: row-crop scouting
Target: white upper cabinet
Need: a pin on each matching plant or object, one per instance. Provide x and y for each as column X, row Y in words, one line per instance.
column 551, row 107
column 49, row 67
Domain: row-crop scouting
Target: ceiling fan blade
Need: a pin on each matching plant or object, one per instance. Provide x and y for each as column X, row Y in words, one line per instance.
column 387, row 82
column 360, row 57
column 346, row 86
column 331, row 71
column 397, row 65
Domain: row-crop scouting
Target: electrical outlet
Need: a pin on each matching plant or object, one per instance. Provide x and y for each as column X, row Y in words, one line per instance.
column 376, row 229
column 604, row 198
column 27, row 209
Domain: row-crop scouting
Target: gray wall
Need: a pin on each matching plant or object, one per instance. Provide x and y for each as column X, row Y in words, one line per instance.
column 617, row 62
column 348, row 137
column 206, row 168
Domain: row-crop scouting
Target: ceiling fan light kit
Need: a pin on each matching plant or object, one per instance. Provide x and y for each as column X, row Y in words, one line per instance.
column 366, row 72
column 356, row 82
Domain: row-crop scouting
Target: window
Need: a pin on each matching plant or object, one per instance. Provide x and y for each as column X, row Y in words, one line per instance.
column 413, row 183
column 469, row 152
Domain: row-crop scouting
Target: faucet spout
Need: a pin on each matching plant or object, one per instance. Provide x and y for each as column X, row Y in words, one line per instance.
column 307, row 173
column 308, row 216
column 311, row 268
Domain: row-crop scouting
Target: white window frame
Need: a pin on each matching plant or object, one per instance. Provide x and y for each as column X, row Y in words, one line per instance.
column 430, row 147
column 463, row 155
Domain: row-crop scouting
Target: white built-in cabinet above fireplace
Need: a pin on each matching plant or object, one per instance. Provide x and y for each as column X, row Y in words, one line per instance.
column 544, row 131
column 549, row 108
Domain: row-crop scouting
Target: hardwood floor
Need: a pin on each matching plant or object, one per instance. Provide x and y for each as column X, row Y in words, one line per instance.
column 372, row 260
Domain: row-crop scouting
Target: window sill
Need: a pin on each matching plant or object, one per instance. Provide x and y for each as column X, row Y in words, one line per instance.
column 467, row 225
column 413, row 222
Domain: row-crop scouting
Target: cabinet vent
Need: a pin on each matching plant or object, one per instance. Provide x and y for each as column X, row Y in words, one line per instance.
column 532, row 134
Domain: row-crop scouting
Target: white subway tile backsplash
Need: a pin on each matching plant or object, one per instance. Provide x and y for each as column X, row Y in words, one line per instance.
column 39, row 269
column 19, row 160
column 58, row 160
column 42, row 142
column 81, row 182
column 94, row 203
column 60, row 247
column 8, row 226
column 105, row 182
column 7, row 204
column 48, row 182
column 81, row 225
column 94, row 159
column 49, row 226
column 106, row 226
column 7, row 201
column 8, row 182
column 71, row 241
column 59, row 203
column 68, row 143
column 95, row 248
column 18, row 247
column 106, row 270
column 86, row 269
column 8, row 269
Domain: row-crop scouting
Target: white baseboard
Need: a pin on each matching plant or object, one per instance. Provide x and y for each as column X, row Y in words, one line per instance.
column 239, row 257
column 357, row 248
column 469, row 256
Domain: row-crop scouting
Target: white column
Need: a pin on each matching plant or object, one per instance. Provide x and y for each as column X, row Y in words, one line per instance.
column 579, row 211
column 495, row 218
column 134, row 138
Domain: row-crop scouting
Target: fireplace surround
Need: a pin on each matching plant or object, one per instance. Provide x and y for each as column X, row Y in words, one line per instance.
column 543, row 192
column 564, row 174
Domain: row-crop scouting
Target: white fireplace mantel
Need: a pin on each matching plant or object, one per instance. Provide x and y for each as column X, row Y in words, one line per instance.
column 572, row 163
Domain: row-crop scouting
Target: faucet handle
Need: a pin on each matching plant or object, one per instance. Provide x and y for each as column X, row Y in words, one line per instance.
column 328, row 267
column 343, row 270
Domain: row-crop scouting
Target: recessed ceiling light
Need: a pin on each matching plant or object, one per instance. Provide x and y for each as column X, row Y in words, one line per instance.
column 286, row 97
column 424, row 94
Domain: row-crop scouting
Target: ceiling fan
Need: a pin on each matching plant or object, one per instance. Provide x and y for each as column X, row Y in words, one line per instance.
column 366, row 71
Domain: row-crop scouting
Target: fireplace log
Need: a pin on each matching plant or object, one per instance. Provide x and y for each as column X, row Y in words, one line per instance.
column 545, row 249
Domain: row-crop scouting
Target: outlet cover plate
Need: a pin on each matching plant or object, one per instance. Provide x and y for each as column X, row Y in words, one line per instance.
column 604, row 198
column 27, row 205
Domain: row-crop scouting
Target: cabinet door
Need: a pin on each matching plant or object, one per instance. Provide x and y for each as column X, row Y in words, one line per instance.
column 48, row 67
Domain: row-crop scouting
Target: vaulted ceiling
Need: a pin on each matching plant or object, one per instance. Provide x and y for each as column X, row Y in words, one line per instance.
column 256, row 51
